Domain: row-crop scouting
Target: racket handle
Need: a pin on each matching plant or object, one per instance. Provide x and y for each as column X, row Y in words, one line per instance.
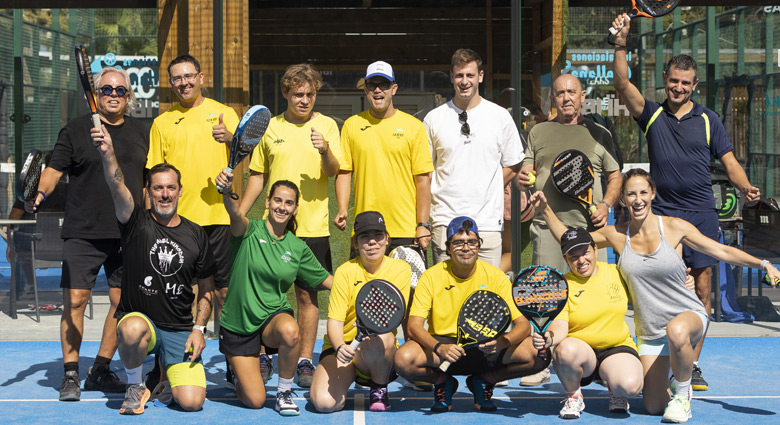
column 592, row 209
column 221, row 189
column 444, row 365
column 354, row 344
column 614, row 31
column 542, row 354
column 96, row 121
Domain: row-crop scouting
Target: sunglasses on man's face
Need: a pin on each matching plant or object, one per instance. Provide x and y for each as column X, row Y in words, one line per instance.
column 383, row 85
column 107, row 90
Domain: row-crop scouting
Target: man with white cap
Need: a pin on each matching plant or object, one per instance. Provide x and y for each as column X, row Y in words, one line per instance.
column 387, row 152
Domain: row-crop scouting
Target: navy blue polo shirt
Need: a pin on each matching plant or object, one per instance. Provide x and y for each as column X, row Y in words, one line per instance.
column 680, row 155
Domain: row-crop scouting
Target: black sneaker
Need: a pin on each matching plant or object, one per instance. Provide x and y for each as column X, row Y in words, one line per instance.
column 697, row 380
column 104, row 380
column 229, row 377
column 153, row 377
column 70, row 389
column 442, row 395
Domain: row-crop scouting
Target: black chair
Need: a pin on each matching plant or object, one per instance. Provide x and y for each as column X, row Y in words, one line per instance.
column 41, row 245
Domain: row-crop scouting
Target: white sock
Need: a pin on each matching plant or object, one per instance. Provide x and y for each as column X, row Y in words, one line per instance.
column 577, row 393
column 135, row 375
column 682, row 387
column 695, row 364
column 300, row 359
column 286, row 385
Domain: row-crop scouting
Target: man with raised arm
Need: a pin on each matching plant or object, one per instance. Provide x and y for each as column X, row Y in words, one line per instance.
column 165, row 256
column 682, row 136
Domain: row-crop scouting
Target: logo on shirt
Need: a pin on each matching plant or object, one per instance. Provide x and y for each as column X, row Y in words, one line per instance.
column 579, row 293
column 263, row 241
column 179, row 120
column 212, row 119
column 365, row 128
column 146, row 289
column 448, row 287
column 398, row 133
column 287, row 256
column 166, row 257
column 358, row 282
column 278, row 141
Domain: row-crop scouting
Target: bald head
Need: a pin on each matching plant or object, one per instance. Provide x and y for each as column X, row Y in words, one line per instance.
column 567, row 96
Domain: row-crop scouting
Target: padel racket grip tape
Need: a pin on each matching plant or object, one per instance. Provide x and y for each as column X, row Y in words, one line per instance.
column 614, row 30
column 444, row 365
column 354, row 344
column 96, row 121
column 592, row 209
column 220, row 188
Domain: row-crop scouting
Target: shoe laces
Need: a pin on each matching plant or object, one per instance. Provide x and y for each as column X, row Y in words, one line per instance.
column 134, row 391
column 571, row 401
column 285, row 397
column 265, row 361
column 378, row 393
column 697, row 369
column 440, row 391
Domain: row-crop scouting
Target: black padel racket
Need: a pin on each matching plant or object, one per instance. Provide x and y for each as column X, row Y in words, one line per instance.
column 483, row 317
column 27, row 184
column 540, row 293
column 379, row 307
column 248, row 134
column 646, row 9
column 415, row 257
column 572, row 174
column 87, row 83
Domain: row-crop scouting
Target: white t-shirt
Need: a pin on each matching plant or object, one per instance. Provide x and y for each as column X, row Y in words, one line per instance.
column 468, row 174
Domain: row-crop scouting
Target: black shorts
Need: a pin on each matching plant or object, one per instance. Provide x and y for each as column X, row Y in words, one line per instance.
column 474, row 362
column 320, row 247
column 706, row 222
column 603, row 354
column 235, row 344
column 219, row 238
column 82, row 259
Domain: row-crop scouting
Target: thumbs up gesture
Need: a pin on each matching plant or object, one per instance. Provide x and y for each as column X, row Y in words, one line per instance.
column 319, row 142
column 220, row 132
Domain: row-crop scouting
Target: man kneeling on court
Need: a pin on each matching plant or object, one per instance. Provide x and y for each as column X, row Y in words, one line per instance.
column 441, row 291
column 164, row 254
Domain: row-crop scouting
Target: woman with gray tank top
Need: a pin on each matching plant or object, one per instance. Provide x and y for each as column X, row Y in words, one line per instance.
column 670, row 320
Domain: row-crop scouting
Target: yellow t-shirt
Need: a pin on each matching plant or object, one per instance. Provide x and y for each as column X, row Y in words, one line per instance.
column 182, row 137
column 286, row 153
column 596, row 309
column 440, row 294
column 384, row 156
column 347, row 281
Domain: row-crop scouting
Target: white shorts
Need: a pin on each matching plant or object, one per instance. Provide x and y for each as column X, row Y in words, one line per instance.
column 660, row 346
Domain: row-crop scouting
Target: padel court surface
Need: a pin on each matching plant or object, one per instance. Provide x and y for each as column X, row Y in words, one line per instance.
column 743, row 374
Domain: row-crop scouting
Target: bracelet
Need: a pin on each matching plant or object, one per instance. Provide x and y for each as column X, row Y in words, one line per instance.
column 609, row 207
column 763, row 264
column 618, row 46
column 44, row 195
column 436, row 347
column 323, row 151
column 337, row 350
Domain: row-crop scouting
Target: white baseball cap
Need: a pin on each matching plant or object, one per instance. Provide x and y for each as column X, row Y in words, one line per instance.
column 380, row 69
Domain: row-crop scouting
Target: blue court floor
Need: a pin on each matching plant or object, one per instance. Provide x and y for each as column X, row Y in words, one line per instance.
column 743, row 374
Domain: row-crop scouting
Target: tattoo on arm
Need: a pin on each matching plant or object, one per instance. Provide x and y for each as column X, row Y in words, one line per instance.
column 118, row 176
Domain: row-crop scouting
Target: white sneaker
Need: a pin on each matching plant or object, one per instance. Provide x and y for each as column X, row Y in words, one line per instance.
column 503, row 383
column 678, row 410
column 572, row 406
column 285, row 404
column 536, row 379
column 618, row 404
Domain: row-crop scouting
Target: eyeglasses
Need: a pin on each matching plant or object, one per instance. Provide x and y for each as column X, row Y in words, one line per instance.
column 107, row 90
column 460, row 243
column 383, row 85
column 181, row 78
column 465, row 129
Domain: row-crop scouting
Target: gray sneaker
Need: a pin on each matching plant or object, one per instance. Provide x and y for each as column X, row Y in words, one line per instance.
column 136, row 397
column 70, row 389
column 304, row 374
column 285, row 404
column 266, row 367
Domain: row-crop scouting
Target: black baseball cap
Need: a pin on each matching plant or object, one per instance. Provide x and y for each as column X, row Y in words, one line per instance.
column 575, row 241
column 369, row 221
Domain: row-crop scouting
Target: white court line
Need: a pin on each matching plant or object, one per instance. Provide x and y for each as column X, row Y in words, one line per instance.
column 359, row 411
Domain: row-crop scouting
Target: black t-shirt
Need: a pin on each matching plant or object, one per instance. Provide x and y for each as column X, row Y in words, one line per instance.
column 89, row 211
column 161, row 264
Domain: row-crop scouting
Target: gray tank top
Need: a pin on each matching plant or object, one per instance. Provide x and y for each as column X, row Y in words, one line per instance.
column 656, row 283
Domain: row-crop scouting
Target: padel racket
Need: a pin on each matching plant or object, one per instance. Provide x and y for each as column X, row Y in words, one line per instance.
column 572, row 174
column 248, row 134
column 415, row 257
column 647, row 9
column 483, row 317
column 87, row 83
column 27, row 184
column 379, row 307
column 540, row 293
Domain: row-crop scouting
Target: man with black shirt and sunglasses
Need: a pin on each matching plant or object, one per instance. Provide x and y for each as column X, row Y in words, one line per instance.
column 386, row 151
column 90, row 229
column 476, row 152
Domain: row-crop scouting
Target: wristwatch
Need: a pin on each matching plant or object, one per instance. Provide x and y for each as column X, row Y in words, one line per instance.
column 202, row 329
column 426, row 225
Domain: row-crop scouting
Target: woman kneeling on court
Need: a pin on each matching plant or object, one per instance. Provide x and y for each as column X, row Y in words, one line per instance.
column 670, row 320
column 266, row 258
column 590, row 335
column 371, row 364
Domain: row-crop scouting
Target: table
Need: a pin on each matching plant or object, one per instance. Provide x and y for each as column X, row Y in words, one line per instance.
column 14, row 268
